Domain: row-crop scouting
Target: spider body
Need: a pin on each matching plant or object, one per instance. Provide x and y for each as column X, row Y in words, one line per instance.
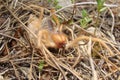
column 51, row 39
column 59, row 39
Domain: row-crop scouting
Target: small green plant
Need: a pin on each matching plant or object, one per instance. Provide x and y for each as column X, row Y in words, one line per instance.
column 55, row 4
column 100, row 8
column 72, row 1
column 41, row 65
column 85, row 19
column 100, row 5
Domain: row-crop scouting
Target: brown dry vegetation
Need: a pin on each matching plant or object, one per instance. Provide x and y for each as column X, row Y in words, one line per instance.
column 88, row 54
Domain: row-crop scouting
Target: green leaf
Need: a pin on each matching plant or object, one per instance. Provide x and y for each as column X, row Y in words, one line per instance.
column 72, row 1
column 55, row 2
column 103, row 9
column 88, row 19
column 58, row 6
column 83, row 23
column 49, row 1
column 100, row 4
column 41, row 65
column 84, row 13
column 85, row 19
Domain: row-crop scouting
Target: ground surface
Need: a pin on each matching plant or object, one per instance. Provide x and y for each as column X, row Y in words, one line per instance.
column 92, row 52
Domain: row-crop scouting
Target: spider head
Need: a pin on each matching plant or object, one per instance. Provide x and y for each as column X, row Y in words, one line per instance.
column 59, row 39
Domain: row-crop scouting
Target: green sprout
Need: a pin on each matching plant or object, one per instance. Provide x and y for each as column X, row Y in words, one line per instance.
column 41, row 65
column 72, row 1
column 85, row 19
column 100, row 5
column 100, row 8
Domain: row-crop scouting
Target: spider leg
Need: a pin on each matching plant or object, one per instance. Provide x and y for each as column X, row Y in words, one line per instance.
column 74, row 42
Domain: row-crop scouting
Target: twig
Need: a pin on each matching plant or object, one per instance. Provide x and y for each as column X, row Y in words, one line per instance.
column 77, row 59
column 16, row 73
column 30, row 70
column 113, row 21
column 91, row 60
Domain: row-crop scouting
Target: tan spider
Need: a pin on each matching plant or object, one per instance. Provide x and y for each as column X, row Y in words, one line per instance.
column 53, row 36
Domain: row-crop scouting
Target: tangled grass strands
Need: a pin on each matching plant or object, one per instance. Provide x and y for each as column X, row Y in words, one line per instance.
column 14, row 39
column 24, row 26
column 64, row 66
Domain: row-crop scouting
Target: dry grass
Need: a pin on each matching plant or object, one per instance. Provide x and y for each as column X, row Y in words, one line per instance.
column 86, row 56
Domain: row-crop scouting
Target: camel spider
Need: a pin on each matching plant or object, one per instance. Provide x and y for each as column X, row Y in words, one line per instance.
column 53, row 36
